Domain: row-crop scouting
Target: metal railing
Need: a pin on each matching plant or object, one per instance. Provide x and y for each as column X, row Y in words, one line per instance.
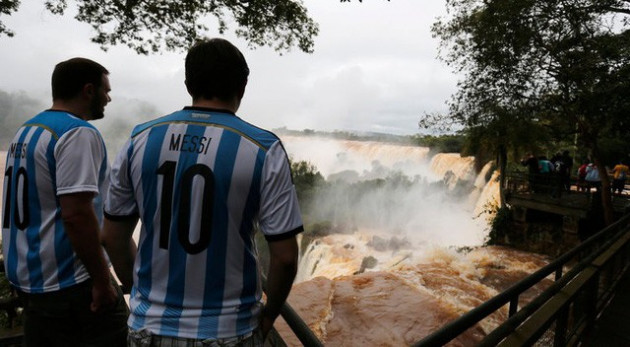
column 299, row 327
column 572, row 302
column 14, row 334
column 522, row 182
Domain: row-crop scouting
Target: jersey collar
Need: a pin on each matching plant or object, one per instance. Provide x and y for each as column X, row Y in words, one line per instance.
column 208, row 109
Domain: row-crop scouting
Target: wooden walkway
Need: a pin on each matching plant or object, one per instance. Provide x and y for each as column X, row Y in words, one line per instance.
column 612, row 329
column 575, row 204
column 549, row 197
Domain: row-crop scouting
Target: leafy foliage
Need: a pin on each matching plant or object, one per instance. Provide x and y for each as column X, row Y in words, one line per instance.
column 7, row 7
column 151, row 26
column 306, row 179
column 500, row 226
column 442, row 143
column 553, row 67
column 557, row 68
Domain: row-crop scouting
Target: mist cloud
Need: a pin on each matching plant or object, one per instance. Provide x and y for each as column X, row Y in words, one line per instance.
column 390, row 189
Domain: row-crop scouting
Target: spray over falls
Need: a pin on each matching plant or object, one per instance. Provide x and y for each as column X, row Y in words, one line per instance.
column 410, row 258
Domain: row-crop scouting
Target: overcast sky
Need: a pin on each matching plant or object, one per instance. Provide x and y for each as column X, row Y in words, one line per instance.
column 374, row 68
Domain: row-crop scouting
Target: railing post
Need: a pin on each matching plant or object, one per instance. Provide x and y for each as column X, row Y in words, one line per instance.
column 558, row 273
column 590, row 304
column 560, row 336
column 513, row 306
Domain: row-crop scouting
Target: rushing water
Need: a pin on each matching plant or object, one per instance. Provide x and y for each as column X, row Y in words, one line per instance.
column 395, row 279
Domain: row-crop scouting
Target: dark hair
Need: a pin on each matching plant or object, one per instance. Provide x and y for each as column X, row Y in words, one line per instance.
column 215, row 68
column 71, row 75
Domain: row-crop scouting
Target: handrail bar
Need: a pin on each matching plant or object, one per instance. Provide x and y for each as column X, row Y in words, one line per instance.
column 301, row 330
column 511, row 323
column 469, row 319
column 592, row 266
column 293, row 320
column 299, row 327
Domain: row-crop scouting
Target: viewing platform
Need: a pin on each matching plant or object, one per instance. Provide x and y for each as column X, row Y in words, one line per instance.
column 545, row 193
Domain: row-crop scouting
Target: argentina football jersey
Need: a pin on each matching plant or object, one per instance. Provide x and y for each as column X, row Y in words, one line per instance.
column 52, row 154
column 199, row 179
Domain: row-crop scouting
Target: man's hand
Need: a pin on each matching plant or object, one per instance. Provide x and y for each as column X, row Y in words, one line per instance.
column 82, row 229
column 121, row 248
column 266, row 324
column 103, row 297
column 283, row 255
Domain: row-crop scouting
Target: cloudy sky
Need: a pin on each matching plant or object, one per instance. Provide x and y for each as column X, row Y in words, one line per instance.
column 374, row 68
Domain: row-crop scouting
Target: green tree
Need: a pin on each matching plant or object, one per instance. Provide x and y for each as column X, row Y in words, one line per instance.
column 7, row 7
column 307, row 179
column 151, row 26
column 555, row 67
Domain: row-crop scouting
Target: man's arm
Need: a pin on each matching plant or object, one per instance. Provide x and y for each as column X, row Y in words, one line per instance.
column 283, row 256
column 121, row 248
column 81, row 224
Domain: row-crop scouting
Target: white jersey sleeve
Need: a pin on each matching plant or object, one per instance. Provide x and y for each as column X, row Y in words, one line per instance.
column 121, row 202
column 279, row 210
column 79, row 154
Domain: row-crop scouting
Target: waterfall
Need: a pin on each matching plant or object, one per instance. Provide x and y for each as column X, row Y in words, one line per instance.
column 439, row 206
column 398, row 274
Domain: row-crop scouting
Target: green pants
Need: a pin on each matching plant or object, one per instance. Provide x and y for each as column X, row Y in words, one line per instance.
column 63, row 318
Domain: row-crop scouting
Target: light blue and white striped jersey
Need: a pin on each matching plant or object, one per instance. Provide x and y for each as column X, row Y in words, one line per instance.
column 200, row 179
column 52, row 154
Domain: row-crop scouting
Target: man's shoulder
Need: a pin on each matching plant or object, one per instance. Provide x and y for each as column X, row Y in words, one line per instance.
column 213, row 118
column 265, row 138
column 58, row 122
column 147, row 125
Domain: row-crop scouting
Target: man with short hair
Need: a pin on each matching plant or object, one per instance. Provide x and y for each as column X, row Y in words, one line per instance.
column 54, row 183
column 202, row 181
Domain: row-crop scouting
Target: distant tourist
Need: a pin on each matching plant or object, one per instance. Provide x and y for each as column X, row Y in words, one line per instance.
column 620, row 173
column 564, row 170
column 546, row 178
column 531, row 162
column 54, row 185
column 582, row 186
column 545, row 166
column 592, row 177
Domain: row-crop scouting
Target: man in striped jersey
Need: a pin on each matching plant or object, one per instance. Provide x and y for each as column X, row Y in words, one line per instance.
column 202, row 181
column 54, row 183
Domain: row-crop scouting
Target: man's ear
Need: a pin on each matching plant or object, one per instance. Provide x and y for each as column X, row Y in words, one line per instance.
column 187, row 88
column 89, row 90
column 241, row 91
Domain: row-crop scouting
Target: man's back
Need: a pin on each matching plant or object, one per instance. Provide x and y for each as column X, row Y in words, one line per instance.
column 201, row 179
column 38, row 255
column 620, row 171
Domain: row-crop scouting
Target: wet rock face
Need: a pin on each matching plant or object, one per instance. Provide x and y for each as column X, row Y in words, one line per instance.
column 403, row 303
column 371, row 309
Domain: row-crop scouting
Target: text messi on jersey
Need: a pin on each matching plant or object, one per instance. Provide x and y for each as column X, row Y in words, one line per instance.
column 18, row 150
column 189, row 143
